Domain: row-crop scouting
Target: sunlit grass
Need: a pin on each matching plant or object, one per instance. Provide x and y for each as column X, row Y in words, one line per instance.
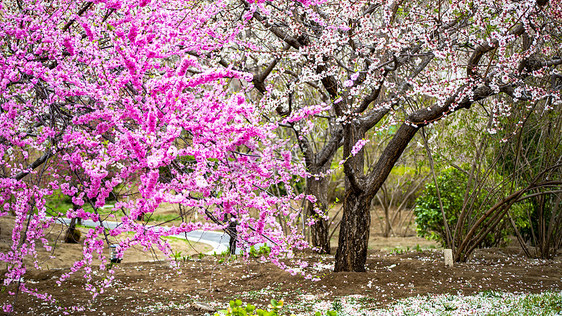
column 534, row 304
column 488, row 303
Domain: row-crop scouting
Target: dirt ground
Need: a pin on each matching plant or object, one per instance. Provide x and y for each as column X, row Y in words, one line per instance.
column 63, row 255
column 153, row 288
column 397, row 267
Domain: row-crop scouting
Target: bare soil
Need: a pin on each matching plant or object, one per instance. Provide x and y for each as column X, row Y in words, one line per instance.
column 153, row 288
column 63, row 254
column 397, row 267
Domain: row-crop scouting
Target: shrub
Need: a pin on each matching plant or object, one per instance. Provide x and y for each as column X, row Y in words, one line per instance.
column 429, row 221
column 237, row 308
column 263, row 251
column 452, row 187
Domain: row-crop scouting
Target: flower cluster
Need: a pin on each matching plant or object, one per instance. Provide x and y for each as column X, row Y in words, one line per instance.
column 112, row 96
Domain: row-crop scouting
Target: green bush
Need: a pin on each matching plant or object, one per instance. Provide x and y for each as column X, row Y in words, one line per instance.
column 264, row 251
column 237, row 308
column 429, row 221
column 452, row 188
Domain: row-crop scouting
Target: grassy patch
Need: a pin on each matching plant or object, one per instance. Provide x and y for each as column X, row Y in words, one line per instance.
column 488, row 303
column 533, row 304
column 161, row 218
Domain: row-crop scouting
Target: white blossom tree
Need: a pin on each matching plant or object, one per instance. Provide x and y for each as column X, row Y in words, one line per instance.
column 410, row 63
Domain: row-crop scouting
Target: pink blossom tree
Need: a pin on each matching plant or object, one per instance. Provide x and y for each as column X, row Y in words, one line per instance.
column 100, row 94
column 106, row 93
column 365, row 65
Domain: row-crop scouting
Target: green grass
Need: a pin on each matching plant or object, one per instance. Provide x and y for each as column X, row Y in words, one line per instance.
column 490, row 303
column 534, row 304
column 160, row 218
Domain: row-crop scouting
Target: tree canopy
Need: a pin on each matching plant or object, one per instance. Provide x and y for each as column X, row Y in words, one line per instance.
column 176, row 100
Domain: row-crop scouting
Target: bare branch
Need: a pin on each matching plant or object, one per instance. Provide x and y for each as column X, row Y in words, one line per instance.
column 328, row 151
column 84, row 9
column 485, row 48
column 38, row 162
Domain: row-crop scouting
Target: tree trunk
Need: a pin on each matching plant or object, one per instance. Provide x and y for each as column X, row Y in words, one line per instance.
column 351, row 254
column 233, row 234
column 354, row 233
column 319, row 231
column 318, row 164
column 72, row 235
column 352, row 248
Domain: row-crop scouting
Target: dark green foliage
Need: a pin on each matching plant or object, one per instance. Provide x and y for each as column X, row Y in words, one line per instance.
column 452, row 188
column 429, row 221
column 237, row 308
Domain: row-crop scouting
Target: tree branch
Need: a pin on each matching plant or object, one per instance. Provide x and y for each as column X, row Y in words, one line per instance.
column 38, row 162
column 277, row 31
column 258, row 79
column 485, row 48
column 328, row 151
column 355, row 183
column 84, row 9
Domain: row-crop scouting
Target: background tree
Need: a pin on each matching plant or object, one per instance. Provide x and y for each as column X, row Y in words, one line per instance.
column 101, row 96
column 483, row 196
column 534, row 150
column 413, row 61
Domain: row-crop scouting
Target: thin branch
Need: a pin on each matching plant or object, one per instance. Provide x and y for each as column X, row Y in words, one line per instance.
column 84, row 9
column 38, row 162
column 449, row 237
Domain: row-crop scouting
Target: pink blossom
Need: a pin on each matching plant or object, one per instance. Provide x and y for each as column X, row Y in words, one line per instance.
column 133, row 31
column 358, row 146
column 68, row 45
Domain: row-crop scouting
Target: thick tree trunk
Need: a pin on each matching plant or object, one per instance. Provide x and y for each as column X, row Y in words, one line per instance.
column 72, row 235
column 352, row 248
column 233, row 234
column 319, row 231
column 354, row 233
column 356, row 220
column 351, row 254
